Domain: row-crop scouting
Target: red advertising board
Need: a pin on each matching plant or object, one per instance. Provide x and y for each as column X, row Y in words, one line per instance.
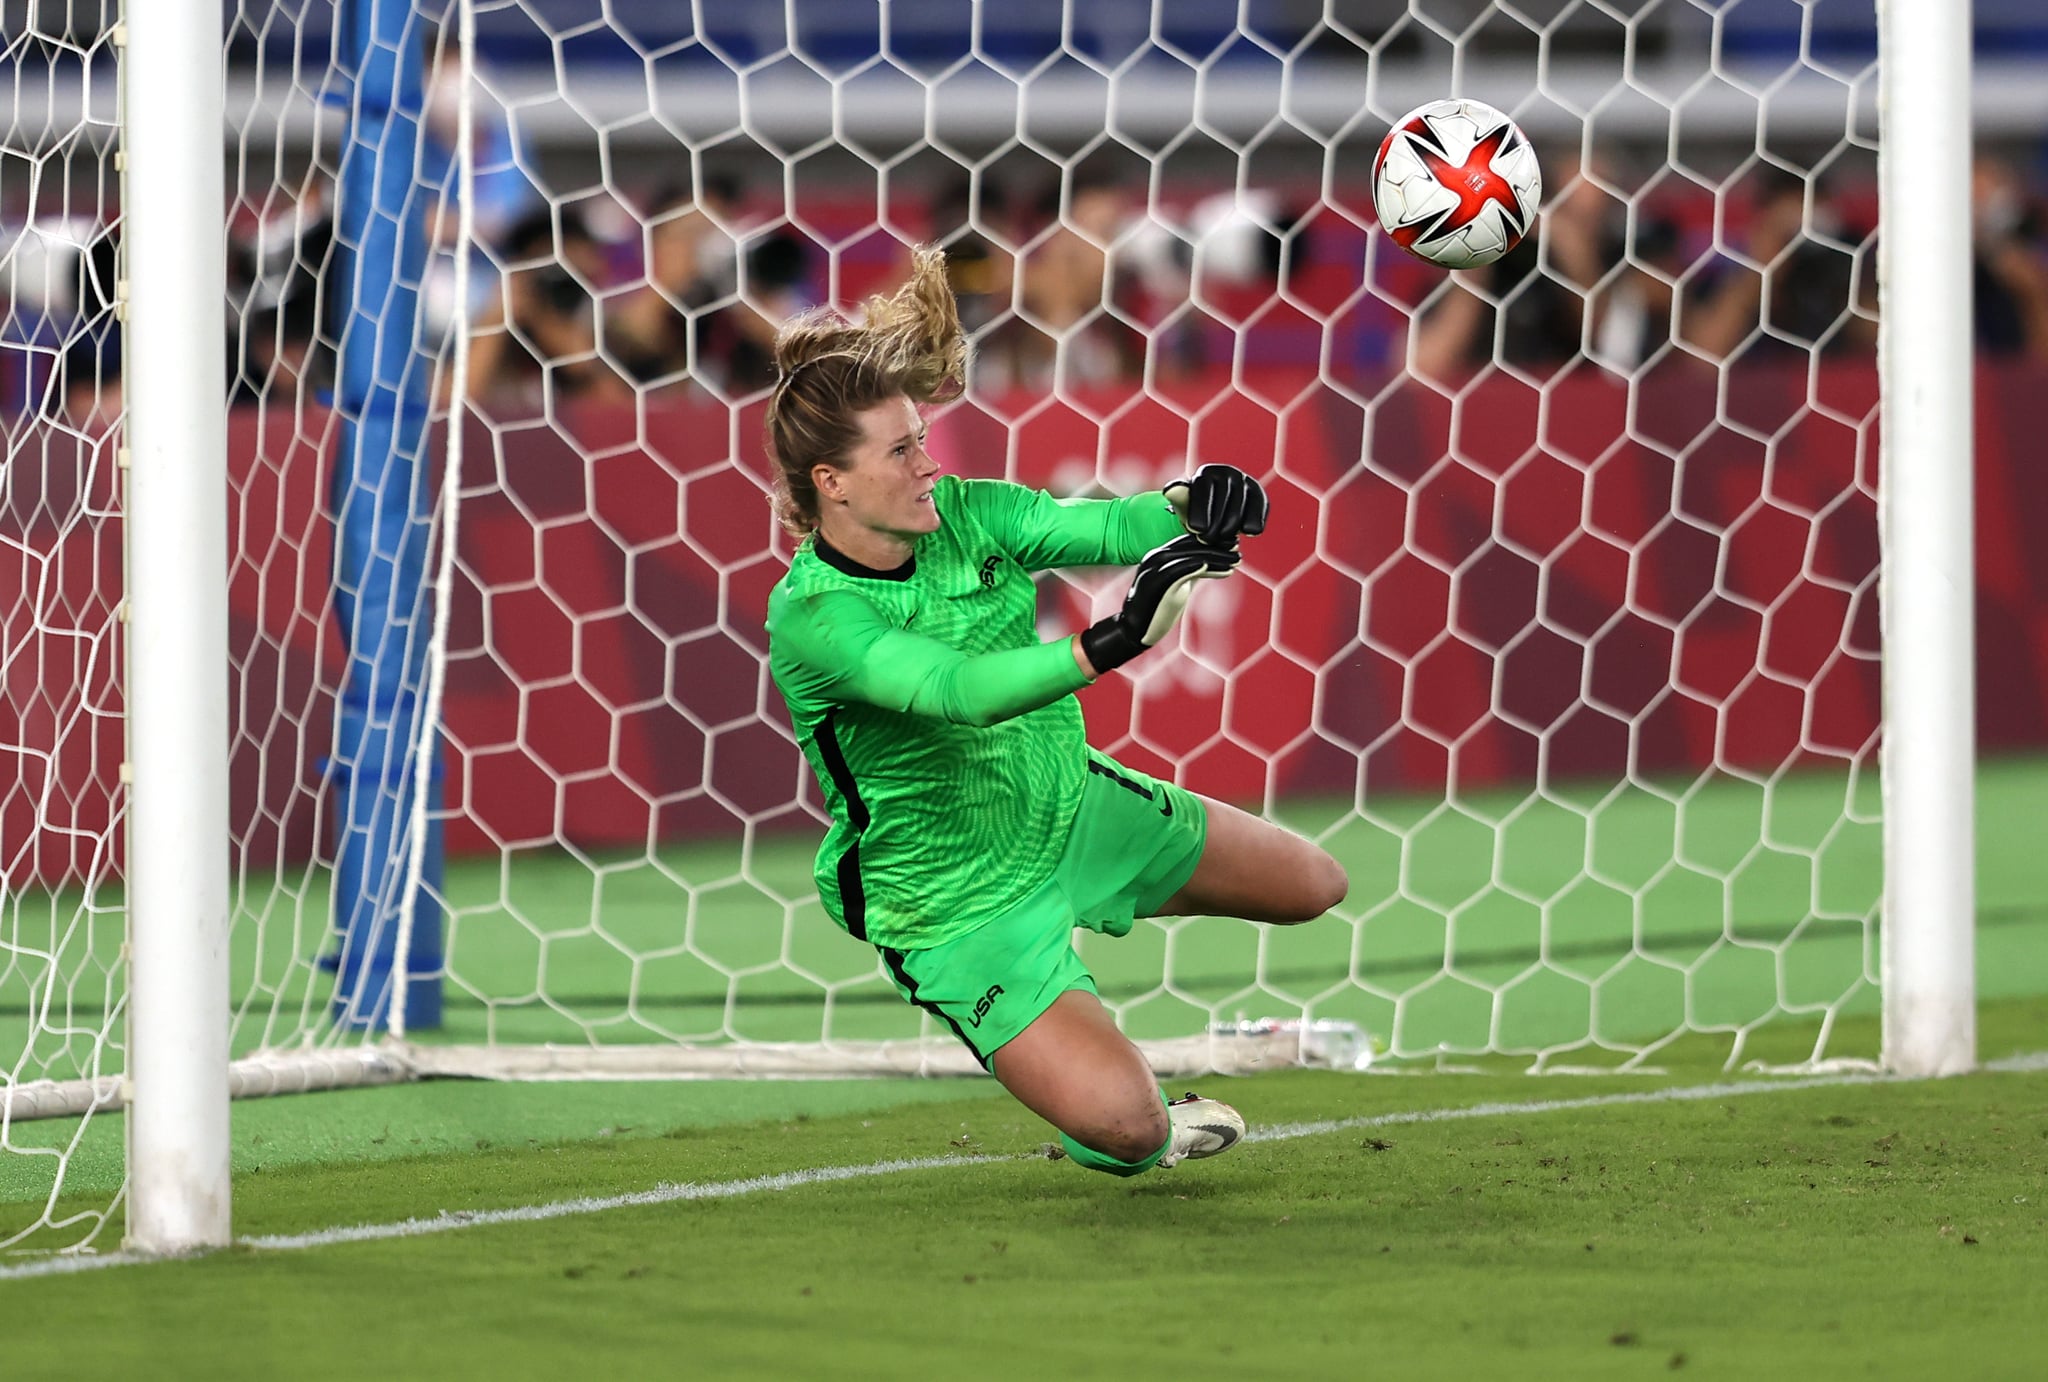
column 1456, row 591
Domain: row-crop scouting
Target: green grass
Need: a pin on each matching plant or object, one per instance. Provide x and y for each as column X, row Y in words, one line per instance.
column 1508, row 920
column 1867, row 1231
column 1894, row 1230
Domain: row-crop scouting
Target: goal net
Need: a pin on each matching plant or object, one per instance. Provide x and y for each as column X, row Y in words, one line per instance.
column 1563, row 638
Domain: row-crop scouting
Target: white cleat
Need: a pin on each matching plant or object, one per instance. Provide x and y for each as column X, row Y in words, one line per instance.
column 1201, row 1127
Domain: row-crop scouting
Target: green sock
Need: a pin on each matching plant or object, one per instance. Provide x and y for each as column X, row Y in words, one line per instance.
column 1097, row 1161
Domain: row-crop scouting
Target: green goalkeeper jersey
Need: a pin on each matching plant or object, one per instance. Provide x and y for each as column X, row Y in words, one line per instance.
column 945, row 734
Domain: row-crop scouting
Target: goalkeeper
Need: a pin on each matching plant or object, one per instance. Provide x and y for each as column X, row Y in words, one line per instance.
column 972, row 827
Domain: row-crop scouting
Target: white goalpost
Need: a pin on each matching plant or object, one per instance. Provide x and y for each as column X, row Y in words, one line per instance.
column 174, row 611
column 425, row 729
column 1930, row 1011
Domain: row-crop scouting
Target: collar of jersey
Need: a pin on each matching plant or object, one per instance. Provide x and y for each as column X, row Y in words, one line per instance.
column 839, row 561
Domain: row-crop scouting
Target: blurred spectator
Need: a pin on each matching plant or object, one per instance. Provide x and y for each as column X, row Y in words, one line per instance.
column 977, row 235
column 1627, row 266
column 506, row 202
column 2009, row 268
column 1095, row 289
column 276, row 269
column 773, row 288
column 1237, row 244
column 699, row 244
column 982, row 230
column 1633, row 312
column 1064, row 335
column 90, row 366
column 1456, row 335
column 709, row 306
column 551, row 274
column 91, row 370
column 1559, row 292
column 505, row 192
column 277, row 357
column 481, row 313
column 1814, row 299
column 1066, row 275
column 690, row 263
column 96, row 272
column 1236, row 240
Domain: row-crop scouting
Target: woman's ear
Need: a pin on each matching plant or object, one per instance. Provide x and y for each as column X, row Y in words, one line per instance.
column 826, row 480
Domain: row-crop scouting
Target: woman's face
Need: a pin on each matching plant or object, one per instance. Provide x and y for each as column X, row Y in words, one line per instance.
column 886, row 485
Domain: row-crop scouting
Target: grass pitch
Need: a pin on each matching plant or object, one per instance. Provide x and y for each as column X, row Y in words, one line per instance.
column 1509, row 921
column 1467, row 1226
column 1450, row 1227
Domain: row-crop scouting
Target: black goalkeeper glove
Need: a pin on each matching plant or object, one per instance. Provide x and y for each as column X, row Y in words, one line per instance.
column 1159, row 592
column 1218, row 502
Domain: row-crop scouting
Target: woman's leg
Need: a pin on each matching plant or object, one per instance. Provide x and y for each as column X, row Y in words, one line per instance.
column 1074, row 1069
column 1252, row 868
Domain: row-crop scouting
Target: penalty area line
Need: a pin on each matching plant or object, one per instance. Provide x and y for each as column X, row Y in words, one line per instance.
column 450, row 1220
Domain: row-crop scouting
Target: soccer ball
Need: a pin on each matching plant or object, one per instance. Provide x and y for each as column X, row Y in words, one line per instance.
column 1456, row 183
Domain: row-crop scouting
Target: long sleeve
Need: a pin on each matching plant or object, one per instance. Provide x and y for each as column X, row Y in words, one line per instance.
column 847, row 650
column 1043, row 533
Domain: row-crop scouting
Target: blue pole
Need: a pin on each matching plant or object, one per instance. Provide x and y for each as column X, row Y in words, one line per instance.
column 382, row 497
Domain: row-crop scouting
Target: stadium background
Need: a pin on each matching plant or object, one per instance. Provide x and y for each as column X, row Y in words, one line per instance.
column 1541, row 556
column 1278, row 356
column 1523, row 908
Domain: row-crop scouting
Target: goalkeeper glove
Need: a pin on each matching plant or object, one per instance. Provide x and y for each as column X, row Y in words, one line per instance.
column 1218, row 502
column 1159, row 592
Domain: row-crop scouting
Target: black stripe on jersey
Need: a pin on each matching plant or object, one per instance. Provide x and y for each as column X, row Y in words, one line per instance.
column 894, row 959
column 853, row 897
column 842, row 775
column 1119, row 779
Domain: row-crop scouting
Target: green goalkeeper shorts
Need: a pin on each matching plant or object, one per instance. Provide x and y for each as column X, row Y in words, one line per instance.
column 1134, row 842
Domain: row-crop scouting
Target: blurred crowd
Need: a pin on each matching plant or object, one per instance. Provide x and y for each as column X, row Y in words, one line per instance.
column 1079, row 282
column 1086, row 281
column 1088, row 278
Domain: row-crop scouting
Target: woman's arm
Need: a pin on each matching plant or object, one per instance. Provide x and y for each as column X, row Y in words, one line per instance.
column 850, row 652
column 1042, row 532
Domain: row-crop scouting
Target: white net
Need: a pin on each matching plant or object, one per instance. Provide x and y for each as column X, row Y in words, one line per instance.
column 1563, row 639
column 61, row 800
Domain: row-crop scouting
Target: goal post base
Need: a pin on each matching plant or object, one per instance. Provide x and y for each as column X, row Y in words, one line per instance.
column 1234, row 1048
column 1239, row 1048
column 252, row 1077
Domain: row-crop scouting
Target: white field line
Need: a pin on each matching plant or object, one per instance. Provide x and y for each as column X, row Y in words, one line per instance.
column 447, row 1220
column 1281, row 1132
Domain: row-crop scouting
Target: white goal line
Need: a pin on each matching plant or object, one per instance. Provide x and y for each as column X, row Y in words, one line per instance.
column 450, row 1220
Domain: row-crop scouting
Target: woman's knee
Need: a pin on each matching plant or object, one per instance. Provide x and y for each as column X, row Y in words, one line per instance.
column 1329, row 881
column 1132, row 1137
column 1319, row 885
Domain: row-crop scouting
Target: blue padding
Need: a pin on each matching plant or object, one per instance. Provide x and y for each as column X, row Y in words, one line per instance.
column 382, row 500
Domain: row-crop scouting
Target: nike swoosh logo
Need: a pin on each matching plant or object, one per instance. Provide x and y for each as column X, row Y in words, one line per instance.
column 1166, row 806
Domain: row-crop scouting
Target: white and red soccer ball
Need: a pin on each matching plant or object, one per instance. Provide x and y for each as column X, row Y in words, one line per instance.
column 1456, row 183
